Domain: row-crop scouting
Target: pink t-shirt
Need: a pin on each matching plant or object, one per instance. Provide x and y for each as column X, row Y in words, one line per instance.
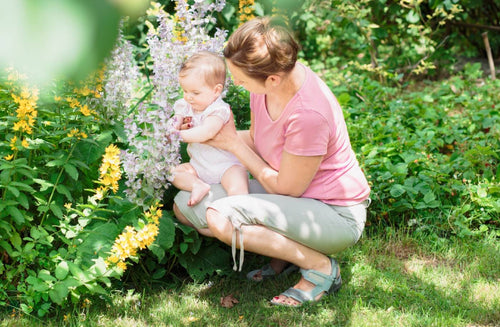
column 312, row 124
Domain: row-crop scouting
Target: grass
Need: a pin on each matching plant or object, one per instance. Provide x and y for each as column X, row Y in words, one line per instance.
column 390, row 279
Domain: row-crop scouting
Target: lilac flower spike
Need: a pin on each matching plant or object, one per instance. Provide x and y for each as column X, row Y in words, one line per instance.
column 153, row 141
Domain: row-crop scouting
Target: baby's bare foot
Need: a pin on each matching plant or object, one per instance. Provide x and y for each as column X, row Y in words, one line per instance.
column 200, row 189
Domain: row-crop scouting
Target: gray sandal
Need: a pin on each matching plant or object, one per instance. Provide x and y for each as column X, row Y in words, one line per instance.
column 267, row 272
column 323, row 283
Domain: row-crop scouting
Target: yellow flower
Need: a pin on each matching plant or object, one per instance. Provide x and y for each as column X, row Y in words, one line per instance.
column 9, row 157
column 85, row 110
column 25, row 143
column 122, row 265
column 73, row 132
column 109, row 170
column 57, row 98
column 113, row 259
column 68, row 205
column 74, row 103
column 147, row 235
column 12, row 144
column 99, row 193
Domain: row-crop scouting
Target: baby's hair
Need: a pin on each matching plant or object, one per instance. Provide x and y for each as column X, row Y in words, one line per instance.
column 209, row 65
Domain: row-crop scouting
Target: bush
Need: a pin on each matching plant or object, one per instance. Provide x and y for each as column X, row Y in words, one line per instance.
column 431, row 155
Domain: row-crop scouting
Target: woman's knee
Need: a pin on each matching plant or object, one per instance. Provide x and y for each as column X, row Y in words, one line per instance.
column 219, row 225
column 178, row 214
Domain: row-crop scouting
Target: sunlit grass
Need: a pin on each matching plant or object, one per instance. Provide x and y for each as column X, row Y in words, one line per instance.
column 396, row 280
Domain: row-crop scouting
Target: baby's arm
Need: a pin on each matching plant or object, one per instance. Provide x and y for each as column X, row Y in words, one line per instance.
column 204, row 132
column 178, row 120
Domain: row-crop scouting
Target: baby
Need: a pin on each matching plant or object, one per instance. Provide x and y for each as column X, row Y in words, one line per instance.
column 202, row 79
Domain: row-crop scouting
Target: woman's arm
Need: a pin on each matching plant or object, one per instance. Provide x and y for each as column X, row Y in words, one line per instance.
column 208, row 129
column 295, row 173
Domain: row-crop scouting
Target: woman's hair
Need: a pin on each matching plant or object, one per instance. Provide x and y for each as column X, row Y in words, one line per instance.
column 208, row 65
column 262, row 47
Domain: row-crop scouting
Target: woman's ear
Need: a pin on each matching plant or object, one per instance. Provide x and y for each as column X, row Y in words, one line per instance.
column 275, row 80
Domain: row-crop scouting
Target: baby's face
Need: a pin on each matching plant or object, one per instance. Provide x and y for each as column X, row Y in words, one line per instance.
column 197, row 93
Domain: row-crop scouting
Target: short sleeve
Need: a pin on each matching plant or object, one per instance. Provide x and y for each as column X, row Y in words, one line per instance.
column 307, row 133
column 181, row 107
column 219, row 109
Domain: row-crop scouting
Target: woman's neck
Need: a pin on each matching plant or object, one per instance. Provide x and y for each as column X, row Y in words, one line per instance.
column 278, row 98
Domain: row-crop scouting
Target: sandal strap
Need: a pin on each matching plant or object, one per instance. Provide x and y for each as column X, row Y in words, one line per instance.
column 322, row 281
column 298, row 295
column 267, row 270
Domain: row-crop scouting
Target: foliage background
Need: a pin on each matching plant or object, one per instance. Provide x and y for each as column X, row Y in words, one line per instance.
column 431, row 154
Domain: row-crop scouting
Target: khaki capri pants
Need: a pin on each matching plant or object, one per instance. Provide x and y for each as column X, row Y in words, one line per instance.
column 325, row 228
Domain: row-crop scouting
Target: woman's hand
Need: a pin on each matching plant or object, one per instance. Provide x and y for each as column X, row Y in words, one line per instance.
column 227, row 137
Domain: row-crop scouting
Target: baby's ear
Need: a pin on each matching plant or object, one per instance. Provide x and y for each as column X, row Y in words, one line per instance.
column 218, row 88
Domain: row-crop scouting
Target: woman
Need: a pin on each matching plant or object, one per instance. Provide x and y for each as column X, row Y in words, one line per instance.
column 309, row 196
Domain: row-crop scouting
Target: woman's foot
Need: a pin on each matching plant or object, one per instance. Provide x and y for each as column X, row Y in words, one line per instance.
column 274, row 268
column 305, row 290
column 198, row 192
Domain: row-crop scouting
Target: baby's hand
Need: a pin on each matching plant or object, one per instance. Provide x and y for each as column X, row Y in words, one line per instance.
column 186, row 123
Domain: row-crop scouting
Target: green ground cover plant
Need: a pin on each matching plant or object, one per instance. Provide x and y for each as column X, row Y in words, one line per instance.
column 390, row 279
column 85, row 210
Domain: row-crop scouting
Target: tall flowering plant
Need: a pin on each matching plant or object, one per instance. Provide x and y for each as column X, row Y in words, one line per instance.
column 153, row 142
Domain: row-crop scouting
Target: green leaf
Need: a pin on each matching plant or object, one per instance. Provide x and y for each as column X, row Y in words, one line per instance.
column 158, row 274
column 412, row 17
column 16, row 241
column 59, row 293
column 16, row 215
column 183, row 247
column 35, row 233
column 397, row 190
column 166, row 234
column 40, row 286
column 77, row 272
column 482, row 192
column 13, row 190
column 23, row 201
column 6, row 246
column 61, row 189
column 46, row 276
column 100, row 266
column 55, row 163
column 157, row 251
column 62, row 270
column 70, row 282
column 56, row 210
column 96, row 288
column 71, row 170
column 43, row 183
column 24, row 187
column 26, row 309
column 429, row 197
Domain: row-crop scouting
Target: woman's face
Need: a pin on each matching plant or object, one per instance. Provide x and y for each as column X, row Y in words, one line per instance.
column 240, row 78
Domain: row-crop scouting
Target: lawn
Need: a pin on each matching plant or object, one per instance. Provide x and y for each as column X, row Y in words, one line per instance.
column 391, row 278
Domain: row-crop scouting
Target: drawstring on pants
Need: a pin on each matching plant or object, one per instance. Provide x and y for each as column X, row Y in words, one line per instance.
column 233, row 247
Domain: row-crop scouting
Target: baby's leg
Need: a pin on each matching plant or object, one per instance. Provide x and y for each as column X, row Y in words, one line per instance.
column 235, row 180
column 186, row 179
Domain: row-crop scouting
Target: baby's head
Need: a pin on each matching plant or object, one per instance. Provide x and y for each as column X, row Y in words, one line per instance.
column 202, row 77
